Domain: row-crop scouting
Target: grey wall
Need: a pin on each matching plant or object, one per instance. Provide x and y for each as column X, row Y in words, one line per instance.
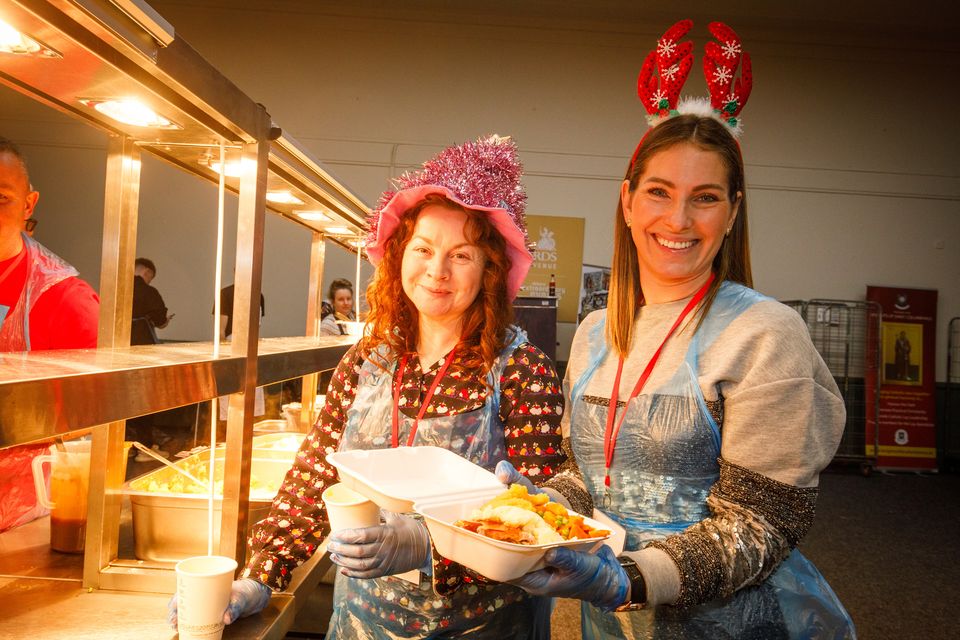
column 849, row 142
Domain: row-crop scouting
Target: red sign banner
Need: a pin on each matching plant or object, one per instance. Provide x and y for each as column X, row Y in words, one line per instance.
column 907, row 406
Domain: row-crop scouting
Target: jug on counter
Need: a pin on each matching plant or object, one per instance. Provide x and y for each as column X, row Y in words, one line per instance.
column 69, row 483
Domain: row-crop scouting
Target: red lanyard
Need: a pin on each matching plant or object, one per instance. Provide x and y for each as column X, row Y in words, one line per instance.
column 611, row 432
column 423, row 405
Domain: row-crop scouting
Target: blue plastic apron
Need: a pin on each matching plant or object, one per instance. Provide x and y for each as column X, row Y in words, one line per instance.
column 665, row 464
column 388, row 608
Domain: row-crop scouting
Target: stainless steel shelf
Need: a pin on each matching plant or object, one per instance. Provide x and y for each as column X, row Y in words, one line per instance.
column 46, row 393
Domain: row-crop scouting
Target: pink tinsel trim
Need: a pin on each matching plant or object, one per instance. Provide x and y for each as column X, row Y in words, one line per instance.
column 484, row 173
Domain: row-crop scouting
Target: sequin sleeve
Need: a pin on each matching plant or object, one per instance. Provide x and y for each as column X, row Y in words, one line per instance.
column 755, row 523
column 782, row 418
column 297, row 522
column 568, row 482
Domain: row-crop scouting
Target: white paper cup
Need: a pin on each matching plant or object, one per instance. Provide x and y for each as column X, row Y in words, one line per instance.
column 203, row 593
column 348, row 509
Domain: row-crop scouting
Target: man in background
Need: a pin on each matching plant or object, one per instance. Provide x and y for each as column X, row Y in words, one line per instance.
column 226, row 311
column 43, row 305
column 149, row 314
column 149, row 311
column 226, row 333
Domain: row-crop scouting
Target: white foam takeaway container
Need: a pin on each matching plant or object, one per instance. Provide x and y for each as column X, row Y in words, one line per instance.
column 443, row 488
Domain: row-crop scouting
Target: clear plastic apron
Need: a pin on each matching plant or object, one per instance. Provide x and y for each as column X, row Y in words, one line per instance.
column 386, row 608
column 44, row 269
column 665, row 464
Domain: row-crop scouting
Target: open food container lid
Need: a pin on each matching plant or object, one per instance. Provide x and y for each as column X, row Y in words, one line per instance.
column 397, row 478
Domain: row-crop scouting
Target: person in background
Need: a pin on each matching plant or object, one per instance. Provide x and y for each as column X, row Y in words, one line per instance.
column 226, row 311
column 149, row 313
column 339, row 308
column 441, row 365
column 699, row 412
column 226, row 333
column 149, row 310
column 43, row 305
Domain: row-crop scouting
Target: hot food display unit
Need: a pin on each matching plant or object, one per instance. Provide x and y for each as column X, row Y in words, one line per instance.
column 65, row 52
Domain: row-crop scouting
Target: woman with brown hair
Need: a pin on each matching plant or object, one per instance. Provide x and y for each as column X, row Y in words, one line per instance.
column 700, row 414
column 440, row 365
column 339, row 308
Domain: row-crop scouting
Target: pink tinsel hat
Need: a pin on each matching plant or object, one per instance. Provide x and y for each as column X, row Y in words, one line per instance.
column 483, row 176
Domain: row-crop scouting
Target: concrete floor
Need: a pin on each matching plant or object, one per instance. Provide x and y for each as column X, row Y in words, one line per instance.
column 889, row 545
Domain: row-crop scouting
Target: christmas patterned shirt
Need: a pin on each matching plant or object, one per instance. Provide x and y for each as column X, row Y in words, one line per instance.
column 531, row 407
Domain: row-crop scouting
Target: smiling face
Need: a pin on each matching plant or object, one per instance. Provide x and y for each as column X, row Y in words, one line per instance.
column 343, row 301
column 441, row 271
column 16, row 204
column 678, row 216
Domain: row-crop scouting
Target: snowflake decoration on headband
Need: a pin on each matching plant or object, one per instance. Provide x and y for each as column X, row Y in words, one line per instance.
column 666, row 68
column 671, row 60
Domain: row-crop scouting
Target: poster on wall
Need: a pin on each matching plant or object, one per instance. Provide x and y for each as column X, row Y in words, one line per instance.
column 593, row 290
column 556, row 262
column 907, row 409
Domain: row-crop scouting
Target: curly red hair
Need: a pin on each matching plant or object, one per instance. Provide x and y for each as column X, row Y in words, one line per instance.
column 393, row 318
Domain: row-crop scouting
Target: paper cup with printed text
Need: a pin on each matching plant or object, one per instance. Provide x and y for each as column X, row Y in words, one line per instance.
column 203, row 593
column 348, row 509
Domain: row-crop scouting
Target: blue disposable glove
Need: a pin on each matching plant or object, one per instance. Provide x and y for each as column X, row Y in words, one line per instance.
column 506, row 474
column 597, row 578
column 398, row 545
column 247, row 597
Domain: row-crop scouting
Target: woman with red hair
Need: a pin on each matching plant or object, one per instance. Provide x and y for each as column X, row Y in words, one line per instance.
column 440, row 364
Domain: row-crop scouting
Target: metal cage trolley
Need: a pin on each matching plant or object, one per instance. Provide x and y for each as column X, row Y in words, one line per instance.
column 846, row 333
column 949, row 433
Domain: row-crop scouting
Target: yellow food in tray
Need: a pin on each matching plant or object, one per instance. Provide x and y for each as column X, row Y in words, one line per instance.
column 522, row 518
column 165, row 480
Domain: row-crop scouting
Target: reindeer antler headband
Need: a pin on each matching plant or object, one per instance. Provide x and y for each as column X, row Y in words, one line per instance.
column 666, row 68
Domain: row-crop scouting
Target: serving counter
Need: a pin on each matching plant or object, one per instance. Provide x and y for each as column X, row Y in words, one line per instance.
column 75, row 56
column 43, row 597
column 46, row 394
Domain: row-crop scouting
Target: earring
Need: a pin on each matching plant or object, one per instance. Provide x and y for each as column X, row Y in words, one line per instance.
column 628, row 223
column 728, row 231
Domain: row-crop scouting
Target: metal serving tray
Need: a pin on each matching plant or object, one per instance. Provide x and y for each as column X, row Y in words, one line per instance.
column 170, row 526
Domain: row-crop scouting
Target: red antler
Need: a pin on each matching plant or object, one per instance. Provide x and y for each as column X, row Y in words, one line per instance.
column 719, row 66
column 671, row 60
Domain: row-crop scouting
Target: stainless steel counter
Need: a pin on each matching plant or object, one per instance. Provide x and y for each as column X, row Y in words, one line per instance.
column 45, row 609
column 42, row 598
